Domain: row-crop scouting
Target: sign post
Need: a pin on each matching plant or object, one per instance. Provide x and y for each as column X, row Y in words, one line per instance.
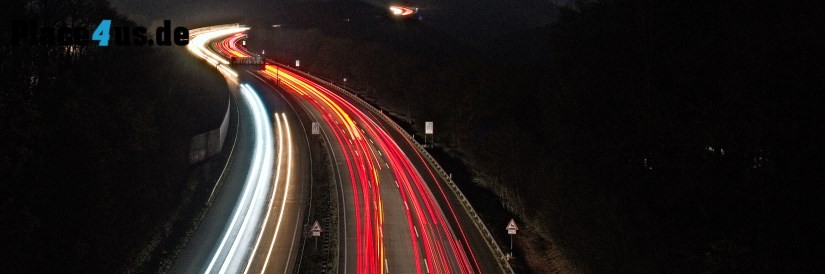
column 428, row 130
column 316, row 231
column 511, row 230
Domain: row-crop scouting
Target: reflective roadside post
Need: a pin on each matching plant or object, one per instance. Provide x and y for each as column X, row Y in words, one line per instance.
column 428, row 130
column 316, row 128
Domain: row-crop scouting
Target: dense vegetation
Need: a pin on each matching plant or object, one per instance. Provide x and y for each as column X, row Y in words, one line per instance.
column 629, row 136
column 94, row 144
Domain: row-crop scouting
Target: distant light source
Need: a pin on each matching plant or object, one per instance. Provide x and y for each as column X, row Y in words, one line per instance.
column 401, row 10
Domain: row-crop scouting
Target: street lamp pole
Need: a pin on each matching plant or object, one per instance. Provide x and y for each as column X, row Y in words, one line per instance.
column 277, row 69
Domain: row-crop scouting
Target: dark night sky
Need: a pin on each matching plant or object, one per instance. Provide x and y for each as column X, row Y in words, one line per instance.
column 483, row 19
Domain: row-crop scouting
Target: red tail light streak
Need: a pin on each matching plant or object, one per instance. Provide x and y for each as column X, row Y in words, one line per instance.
column 367, row 148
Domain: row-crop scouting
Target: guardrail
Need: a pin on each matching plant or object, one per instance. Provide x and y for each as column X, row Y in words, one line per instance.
column 488, row 237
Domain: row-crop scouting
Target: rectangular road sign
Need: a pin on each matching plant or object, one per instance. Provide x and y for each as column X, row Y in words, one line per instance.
column 428, row 127
column 316, row 128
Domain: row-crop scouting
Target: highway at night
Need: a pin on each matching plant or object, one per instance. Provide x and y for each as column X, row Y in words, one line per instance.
column 257, row 211
column 399, row 216
column 405, row 136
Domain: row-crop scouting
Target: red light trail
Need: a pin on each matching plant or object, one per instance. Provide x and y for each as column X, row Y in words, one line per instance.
column 441, row 249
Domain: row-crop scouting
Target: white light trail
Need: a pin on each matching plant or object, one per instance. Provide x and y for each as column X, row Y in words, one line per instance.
column 401, row 10
column 245, row 228
column 277, row 179
column 227, row 71
column 247, row 215
column 286, row 191
column 197, row 44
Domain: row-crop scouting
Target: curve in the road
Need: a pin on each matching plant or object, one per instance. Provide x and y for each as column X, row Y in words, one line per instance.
column 262, row 201
column 438, row 247
column 396, row 221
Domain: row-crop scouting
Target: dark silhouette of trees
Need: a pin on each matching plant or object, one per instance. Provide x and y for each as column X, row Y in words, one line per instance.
column 94, row 144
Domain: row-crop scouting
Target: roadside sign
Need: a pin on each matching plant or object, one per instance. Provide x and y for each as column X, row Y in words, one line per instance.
column 512, row 227
column 316, row 229
column 316, row 128
column 428, row 127
column 297, row 63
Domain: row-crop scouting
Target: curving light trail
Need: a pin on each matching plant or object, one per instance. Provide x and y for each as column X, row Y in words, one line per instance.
column 401, row 10
column 229, row 47
column 252, row 212
column 438, row 245
column 201, row 37
column 240, row 232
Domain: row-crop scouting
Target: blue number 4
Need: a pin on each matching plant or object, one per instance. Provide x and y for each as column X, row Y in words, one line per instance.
column 102, row 33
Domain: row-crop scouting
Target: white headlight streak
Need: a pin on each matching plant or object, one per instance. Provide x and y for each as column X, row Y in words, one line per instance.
column 249, row 219
column 243, row 228
column 197, row 44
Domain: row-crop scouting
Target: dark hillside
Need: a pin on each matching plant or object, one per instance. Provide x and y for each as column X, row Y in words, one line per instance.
column 636, row 136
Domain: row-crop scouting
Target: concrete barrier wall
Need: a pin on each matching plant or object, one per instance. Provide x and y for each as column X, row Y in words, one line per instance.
column 208, row 144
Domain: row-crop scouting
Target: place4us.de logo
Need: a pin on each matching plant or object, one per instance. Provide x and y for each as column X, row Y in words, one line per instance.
column 29, row 33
